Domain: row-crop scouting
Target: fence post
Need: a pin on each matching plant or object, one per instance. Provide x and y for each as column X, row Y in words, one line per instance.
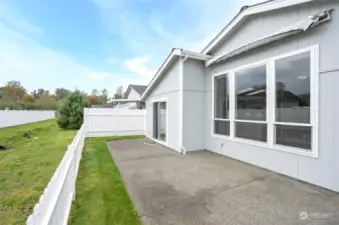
column 72, row 150
column 29, row 220
column 86, row 122
column 37, row 216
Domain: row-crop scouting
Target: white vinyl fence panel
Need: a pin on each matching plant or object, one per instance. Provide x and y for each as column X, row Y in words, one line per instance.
column 54, row 204
column 114, row 122
column 10, row 118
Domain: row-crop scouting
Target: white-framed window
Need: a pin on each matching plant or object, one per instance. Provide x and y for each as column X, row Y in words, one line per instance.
column 271, row 103
column 250, row 103
column 221, row 119
column 160, row 120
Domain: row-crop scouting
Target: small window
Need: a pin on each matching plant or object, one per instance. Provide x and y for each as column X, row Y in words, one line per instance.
column 252, row 131
column 221, row 106
column 222, row 127
column 294, row 136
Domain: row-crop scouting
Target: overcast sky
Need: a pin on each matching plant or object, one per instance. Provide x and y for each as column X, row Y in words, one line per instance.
column 99, row 44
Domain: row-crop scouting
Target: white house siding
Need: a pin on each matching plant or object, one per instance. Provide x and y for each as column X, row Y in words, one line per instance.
column 168, row 89
column 194, row 91
column 133, row 95
column 322, row 171
column 261, row 25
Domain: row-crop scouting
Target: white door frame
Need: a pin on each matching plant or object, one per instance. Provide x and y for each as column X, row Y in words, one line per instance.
column 162, row 100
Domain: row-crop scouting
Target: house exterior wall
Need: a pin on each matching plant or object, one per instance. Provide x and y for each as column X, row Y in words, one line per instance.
column 166, row 89
column 133, row 95
column 323, row 170
column 268, row 23
column 194, row 91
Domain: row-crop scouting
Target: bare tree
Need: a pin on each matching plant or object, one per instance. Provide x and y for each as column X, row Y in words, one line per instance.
column 119, row 93
column 104, row 95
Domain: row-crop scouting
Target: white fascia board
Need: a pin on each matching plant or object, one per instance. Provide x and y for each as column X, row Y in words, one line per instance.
column 293, row 29
column 124, row 100
column 195, row 55
column 175, row 52
column 265, row 7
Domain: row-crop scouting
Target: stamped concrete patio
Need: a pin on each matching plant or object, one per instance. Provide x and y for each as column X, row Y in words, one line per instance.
column 206, row 188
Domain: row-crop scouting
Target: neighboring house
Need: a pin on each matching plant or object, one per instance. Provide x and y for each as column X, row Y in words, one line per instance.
column 132, row 98
column 263, row 91
column 134, row 92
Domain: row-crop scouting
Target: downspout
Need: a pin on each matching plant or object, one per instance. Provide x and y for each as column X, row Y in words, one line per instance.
column 181, row 104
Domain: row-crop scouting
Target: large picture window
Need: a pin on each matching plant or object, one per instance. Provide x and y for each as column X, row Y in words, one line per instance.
column 273, row 102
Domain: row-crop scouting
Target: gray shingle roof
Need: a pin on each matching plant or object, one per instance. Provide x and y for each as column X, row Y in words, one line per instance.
column 138, row 88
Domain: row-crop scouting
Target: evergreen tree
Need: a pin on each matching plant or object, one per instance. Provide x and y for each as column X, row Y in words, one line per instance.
column 71, row 114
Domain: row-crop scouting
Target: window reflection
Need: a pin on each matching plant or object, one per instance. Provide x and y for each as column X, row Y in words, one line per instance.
column 221, row 103
column 293, row 89
column 251, row 94
column 222, row 127
column 252, row 131
column 294, row 136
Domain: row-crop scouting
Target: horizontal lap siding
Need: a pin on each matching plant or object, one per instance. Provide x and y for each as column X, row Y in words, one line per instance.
column 321, row 171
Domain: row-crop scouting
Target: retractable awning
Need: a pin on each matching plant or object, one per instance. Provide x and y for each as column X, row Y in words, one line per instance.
column 293, row 29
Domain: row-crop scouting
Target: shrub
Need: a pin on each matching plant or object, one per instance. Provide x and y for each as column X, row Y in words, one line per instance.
column 26, row 106
column 71, row 114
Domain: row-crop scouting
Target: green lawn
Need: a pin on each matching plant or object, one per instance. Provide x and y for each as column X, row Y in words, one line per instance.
column 101, row 197
column 27, row 166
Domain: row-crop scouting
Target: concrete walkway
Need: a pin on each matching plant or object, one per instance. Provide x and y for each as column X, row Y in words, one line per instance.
column 206, row 188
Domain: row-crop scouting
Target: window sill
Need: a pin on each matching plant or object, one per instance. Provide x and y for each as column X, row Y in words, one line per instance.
column 222, row 136
column 296, row 151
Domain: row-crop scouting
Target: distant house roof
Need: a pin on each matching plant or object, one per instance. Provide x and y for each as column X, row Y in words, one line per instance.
column 140, row 89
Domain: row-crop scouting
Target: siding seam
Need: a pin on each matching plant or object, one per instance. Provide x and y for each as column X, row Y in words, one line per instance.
column 163, row 93
column 329, row 71
column 202, row 91
column 335, row 158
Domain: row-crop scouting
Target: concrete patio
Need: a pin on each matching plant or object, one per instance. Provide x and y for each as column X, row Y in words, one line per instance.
column 206, row 188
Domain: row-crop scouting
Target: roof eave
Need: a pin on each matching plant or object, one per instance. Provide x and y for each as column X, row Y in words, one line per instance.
column 175, row 52
column 251, row 10
column 301, row 26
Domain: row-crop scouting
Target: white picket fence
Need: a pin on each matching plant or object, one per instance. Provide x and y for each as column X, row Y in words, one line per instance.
column 55, row 203
column 103, row 122
column 10, row 118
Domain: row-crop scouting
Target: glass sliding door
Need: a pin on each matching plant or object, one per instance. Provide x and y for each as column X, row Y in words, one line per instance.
column 162, row 121
column 159, row 121
column 155, row 120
